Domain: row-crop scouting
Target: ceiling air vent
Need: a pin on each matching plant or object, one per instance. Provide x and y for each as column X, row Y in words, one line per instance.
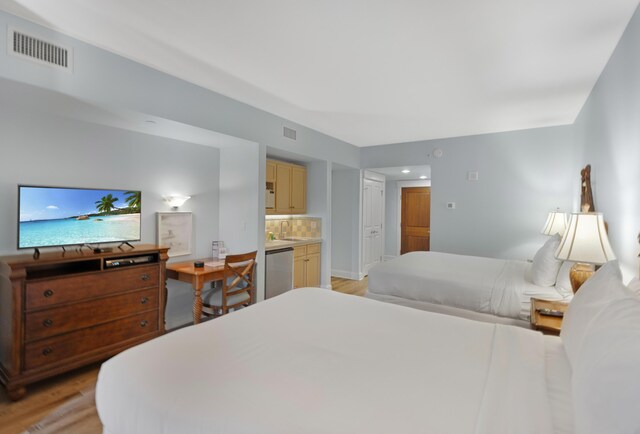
column 289, row 133
column 41, row 51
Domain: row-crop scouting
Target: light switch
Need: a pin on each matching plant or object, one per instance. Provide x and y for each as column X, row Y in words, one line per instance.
column 472, row 176
column 451, row 205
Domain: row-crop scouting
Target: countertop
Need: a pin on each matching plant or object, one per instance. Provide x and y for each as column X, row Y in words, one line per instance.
column 290, row 242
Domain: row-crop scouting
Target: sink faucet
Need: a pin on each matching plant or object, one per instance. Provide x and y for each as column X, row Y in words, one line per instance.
column 281, row 232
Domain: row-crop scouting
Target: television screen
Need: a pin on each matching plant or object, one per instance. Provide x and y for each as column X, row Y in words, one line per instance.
column 51, row 216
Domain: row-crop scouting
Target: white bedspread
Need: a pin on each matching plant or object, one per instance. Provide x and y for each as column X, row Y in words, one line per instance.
column 315, row 361
column 487, row 285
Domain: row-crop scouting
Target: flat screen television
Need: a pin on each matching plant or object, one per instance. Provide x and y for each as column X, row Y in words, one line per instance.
column 58, row 216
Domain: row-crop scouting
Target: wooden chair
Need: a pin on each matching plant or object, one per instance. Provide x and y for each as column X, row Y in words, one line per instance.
column 238, row 285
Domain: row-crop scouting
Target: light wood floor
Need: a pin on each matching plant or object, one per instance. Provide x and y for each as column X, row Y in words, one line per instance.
column 44, row 397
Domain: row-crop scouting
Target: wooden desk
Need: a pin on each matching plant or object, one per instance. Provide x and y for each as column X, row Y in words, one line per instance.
column 197, row 277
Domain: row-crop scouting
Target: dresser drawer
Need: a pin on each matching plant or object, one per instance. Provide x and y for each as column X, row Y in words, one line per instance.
column 62, row 319
column 51, row 350
column 65, row 289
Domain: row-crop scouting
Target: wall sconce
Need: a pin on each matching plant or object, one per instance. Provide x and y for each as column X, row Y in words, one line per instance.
column 177, row 200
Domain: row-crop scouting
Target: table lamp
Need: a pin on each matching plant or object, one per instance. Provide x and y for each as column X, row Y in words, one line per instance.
column 586, row 243
column 556, row 223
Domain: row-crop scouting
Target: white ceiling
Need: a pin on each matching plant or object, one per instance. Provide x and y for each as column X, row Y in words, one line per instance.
column 368, row 72
column 396, row 174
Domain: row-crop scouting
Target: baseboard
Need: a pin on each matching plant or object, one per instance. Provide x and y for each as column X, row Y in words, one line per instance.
column 346, row 275
column 388, row 257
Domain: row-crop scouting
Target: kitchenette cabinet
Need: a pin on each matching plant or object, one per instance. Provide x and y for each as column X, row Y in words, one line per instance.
column 289, row 184
column 306, row 265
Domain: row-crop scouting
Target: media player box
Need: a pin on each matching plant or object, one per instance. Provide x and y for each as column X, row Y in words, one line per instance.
column 121, row 262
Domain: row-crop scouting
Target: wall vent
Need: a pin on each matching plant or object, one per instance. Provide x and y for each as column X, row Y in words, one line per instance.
column 41, row 51
column 289, row 133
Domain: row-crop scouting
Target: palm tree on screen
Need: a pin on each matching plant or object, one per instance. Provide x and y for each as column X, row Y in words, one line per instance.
column 133, row 199
column 106, row 203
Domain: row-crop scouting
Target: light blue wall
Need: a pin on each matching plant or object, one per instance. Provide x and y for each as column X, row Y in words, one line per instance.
column 608, row 130
column 522, row 176
column 319, row 205
column 44, row 149
column 345, row 216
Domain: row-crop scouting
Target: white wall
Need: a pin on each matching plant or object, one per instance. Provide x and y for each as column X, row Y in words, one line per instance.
column 608, row 131
column 345, row 229
column 43, row 149
column 241, row 212
column 522, row 176
column 319, row 205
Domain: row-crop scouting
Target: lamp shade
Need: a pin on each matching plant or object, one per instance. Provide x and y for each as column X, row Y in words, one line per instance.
column 556, row 223
column 586, row 240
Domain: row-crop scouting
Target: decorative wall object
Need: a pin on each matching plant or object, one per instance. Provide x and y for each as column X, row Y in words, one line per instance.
column 175, row 232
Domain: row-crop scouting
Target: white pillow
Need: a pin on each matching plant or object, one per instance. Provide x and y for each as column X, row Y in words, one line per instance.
column 545, row 267
column 606, row 378
column 563, row 282
column 602, row 288
column 634, row 286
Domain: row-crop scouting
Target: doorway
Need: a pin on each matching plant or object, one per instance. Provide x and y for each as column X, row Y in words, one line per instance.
column 415, row 220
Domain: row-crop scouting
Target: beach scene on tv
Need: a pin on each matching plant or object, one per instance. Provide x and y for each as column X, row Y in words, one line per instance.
column 68, row 216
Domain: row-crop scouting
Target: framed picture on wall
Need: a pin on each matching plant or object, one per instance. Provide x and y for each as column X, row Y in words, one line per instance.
column 175, row 231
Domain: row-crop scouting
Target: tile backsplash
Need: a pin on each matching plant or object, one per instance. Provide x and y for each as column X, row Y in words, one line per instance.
column 307, row 227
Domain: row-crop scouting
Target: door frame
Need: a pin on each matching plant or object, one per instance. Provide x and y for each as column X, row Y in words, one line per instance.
column 400, row 185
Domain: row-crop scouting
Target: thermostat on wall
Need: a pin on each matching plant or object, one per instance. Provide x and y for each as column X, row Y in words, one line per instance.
column 472, row 176
column 451, row 205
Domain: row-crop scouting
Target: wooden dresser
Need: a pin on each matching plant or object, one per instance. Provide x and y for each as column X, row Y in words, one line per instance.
column 68, row 309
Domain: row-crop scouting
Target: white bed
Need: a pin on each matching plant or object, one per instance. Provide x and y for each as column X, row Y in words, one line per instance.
column 485, row 289
column 315, row 361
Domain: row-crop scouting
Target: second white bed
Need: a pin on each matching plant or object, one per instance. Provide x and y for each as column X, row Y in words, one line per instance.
column 460, row 284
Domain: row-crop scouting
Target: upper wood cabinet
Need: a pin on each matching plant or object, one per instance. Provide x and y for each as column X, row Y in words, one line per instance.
column 290, row 187
column 270, row 190
column 271, row 171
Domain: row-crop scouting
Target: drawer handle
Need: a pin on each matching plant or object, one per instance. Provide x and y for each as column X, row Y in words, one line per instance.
column 143, row 323
column 47, row 322
column 47, row 351
column 145, row 277
column 48, row 293
column 144, row 300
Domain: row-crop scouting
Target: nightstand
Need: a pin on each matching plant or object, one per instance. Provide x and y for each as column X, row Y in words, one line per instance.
column 549, row 325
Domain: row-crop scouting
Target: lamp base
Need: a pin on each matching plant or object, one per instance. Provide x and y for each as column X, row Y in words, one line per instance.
column 579, row 274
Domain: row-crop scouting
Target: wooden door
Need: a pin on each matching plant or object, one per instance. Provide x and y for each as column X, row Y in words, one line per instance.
column 415, row 219
column 283, row 189
column 313, row 269
column 298, row 190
